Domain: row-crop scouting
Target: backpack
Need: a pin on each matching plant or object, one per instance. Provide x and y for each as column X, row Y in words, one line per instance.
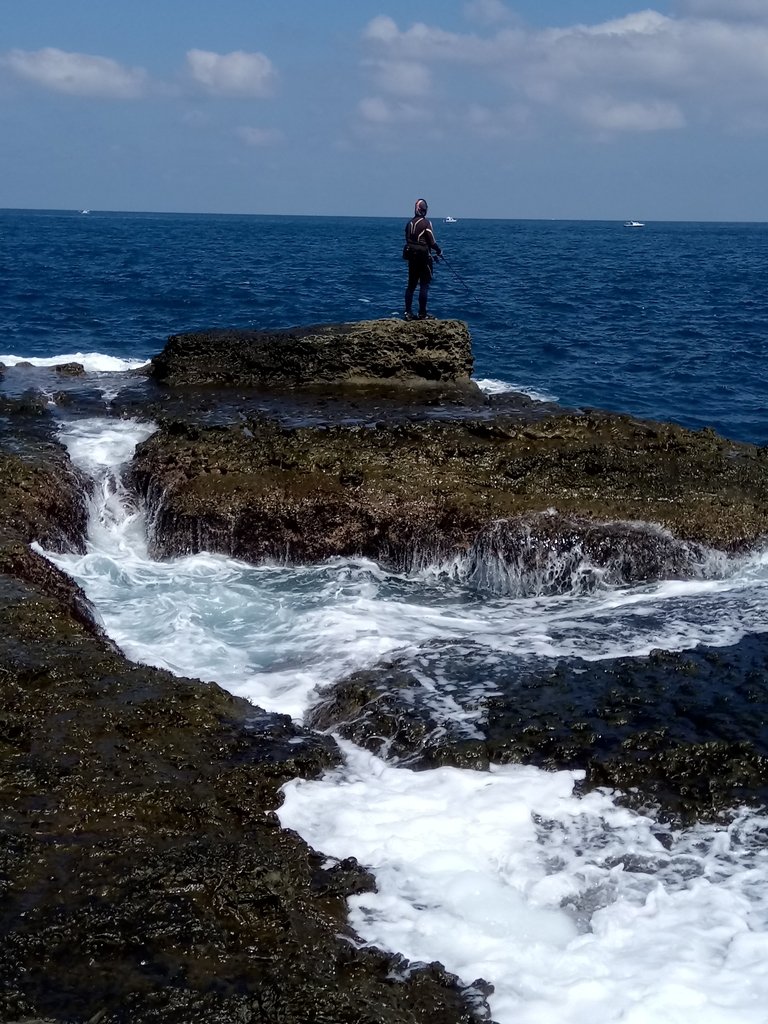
column 412, row 248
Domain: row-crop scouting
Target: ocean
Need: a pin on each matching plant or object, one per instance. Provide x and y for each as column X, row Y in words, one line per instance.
column 574, row 907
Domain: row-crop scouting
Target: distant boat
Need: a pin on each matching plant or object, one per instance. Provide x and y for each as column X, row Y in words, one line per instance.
column 85, row 211
column 633, row 224
column 450, row 220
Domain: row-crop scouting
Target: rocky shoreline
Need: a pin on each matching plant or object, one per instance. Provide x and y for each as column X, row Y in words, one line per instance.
column 678, row 735
column 145, row 876
column 639, row 500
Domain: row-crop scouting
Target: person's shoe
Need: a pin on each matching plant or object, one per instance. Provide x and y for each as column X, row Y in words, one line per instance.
column 426, row 316
column 408, row 316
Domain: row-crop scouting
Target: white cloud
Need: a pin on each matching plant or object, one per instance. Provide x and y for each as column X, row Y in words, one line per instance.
column 607, row 114
column 232, row 74
column 643, row 72
column 488, row 12
column 376, row 110
column 382, row 30
column 257, row 136
column 79, row 74
column 402, row 78
column 488, row 123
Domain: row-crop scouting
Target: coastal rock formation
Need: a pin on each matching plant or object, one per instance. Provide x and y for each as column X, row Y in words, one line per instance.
column 145, row 876
column 416, row 353
column 683, row 731
column 42, row 497
column 70, row 369
column 526, row 508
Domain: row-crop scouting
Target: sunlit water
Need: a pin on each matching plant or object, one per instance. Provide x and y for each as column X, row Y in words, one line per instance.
column 577, row 910
column 669, row 322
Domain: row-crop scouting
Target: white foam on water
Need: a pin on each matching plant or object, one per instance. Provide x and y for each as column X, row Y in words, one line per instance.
column 101, row 446
column 573, row 908
column 274, row 633
column 492, row 386
column 93, row 362
column 576, row 910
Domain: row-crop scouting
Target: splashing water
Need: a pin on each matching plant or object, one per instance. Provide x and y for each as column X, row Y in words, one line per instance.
column 575, row 909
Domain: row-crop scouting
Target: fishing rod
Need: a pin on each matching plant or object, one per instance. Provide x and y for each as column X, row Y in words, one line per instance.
column 459, row 278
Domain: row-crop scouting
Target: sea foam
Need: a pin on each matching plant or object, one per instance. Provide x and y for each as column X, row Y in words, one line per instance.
column 576, row 909
column 92, row 362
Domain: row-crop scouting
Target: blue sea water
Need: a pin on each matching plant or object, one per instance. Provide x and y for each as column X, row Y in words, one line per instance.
column 575, row 908
column 669, row 321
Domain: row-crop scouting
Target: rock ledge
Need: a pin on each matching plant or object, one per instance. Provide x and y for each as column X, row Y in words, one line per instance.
column 416, row 353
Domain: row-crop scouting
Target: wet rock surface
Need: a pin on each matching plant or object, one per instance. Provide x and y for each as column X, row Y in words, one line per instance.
column 683, row 732
column 143, row 873
column 417, row 492
column 384, row 351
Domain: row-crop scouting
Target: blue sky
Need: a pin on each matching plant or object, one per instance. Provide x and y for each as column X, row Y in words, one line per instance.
column 567, row 108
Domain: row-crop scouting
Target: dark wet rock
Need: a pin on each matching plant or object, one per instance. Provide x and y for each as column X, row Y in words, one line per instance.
column 143, row 872
column 380, row 709
column 42, row 496
column 686, row 732
column 70, row 369
column 29, row 402
column 207, row 406
column 569, row 496
column 371, row 351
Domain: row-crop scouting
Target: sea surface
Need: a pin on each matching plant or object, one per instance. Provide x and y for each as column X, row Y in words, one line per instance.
column 603, row 915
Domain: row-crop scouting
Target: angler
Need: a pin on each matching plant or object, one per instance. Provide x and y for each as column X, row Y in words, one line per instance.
column 419, row 245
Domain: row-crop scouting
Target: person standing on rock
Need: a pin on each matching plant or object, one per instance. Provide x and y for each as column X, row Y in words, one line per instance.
column 419, row 245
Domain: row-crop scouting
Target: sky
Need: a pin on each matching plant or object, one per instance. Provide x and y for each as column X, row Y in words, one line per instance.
column 583, row 109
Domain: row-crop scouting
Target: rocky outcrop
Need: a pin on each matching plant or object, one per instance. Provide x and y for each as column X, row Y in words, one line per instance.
column 681, row 731
column 559, row 505
column 145, row 875
column 417, row 353
column 143, row 871
column 70, row 369
column 42, row 496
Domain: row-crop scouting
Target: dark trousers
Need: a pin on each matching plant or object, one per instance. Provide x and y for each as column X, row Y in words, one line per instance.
column 419, row 273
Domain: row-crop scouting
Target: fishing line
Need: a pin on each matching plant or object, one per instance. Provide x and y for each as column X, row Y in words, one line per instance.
column 459, row 278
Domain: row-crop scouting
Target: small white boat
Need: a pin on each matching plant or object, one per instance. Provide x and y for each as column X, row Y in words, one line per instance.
column 85, row 211
column 450, row 220
column 633, row 224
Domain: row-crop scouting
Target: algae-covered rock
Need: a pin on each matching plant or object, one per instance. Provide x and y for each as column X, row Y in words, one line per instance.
column 145, row 876
column 143, row 872
column 70, row 369
column 42, row 496
column 626, row 499
column 685, row 732
column 371, row 351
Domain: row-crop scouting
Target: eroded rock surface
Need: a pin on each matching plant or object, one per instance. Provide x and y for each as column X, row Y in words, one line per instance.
column 143, row 873
column 685, row 732
column 416, row 353
column 144, row 876
column 568, row 491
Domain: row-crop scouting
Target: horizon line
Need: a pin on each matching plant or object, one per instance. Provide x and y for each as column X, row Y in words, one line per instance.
column 363, row 216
